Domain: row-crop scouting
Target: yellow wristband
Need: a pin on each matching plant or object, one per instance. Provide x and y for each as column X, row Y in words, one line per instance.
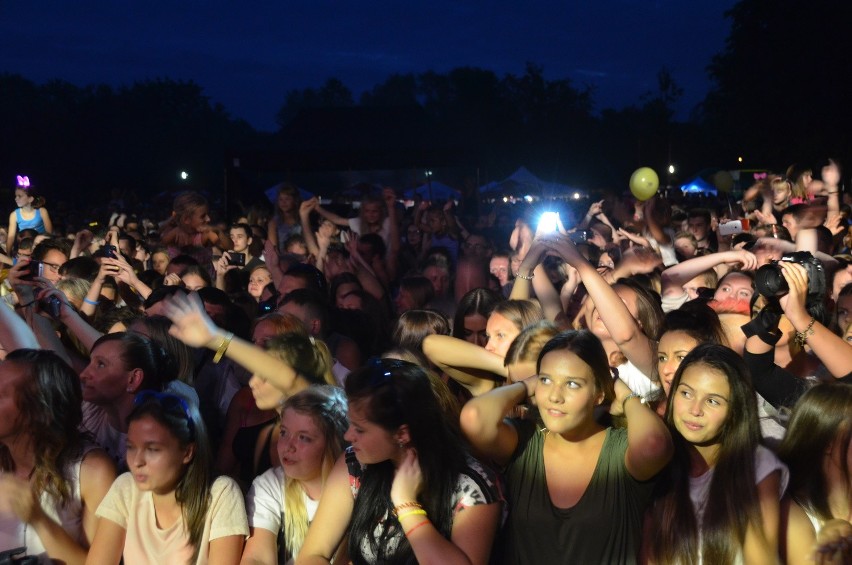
column 416, row 512
column 223, row 347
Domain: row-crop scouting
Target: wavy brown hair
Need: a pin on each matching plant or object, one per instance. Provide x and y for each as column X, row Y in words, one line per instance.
column 49, row 402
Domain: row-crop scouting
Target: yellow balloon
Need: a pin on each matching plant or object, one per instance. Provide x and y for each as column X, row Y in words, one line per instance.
column 723, row 181
column 644, row 183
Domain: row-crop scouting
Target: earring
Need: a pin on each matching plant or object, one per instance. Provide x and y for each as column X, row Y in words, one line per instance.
column 400, row 444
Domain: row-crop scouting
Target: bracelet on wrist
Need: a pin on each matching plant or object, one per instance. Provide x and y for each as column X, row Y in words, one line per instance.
column 802, row 337
column 223, row 347
column 528, row 277
column 415, row 512
column 423, row 523
column 410, row 504
column 642, row 400
column 91, row 302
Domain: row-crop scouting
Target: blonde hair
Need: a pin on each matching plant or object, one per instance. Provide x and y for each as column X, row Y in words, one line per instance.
column 529, row 343
column 522, row 313
column 326, row 405
column 74, row 289
column 309, row 357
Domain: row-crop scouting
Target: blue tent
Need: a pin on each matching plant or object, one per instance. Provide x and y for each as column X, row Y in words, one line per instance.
column 698, row 186
column 437, row 191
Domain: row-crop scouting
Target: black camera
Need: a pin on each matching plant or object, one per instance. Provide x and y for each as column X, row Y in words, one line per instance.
column 52, row 305
column 770, row 282
column 236, row 259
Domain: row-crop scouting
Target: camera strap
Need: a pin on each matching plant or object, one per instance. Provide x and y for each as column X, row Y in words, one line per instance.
column 764, row 326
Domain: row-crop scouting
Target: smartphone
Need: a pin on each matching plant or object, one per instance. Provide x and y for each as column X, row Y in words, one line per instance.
column 110, row 251
column 580, row 236
column 34, row 269
column 236, row 259
column 733, row 227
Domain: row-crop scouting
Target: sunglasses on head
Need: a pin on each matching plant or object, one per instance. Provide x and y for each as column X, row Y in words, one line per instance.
column 169, row 402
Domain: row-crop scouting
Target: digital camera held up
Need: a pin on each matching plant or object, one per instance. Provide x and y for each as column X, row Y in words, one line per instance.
column 770, row 281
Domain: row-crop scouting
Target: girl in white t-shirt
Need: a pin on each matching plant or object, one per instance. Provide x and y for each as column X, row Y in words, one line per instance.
column 282, row 501
column 169, row 508
column 718, row 501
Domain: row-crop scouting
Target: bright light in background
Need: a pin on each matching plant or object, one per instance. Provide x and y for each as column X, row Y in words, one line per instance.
column 671, row 169
column 184, row 175
column 576, row 196
column 505, row 199
column 528, row 198
column 739, row 159
column 548, row 222
column 428, row 173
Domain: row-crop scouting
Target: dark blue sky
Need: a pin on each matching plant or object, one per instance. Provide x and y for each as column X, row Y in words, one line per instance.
column 248, row 54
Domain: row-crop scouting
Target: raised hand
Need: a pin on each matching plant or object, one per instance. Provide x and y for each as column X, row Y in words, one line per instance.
column 408, row 479
column 190, row 322
column 831, row 175
column 793, row 303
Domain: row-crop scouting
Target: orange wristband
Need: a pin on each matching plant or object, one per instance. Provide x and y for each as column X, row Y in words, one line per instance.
column 423, row 523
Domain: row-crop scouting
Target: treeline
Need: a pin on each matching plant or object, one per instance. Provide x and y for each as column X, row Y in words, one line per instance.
column 780, row 95
column 90, row 140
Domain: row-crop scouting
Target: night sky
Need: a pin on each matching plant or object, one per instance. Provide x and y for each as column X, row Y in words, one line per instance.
column 247, row 55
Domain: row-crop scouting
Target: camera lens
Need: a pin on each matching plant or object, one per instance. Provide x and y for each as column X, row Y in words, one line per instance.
column 770, row 282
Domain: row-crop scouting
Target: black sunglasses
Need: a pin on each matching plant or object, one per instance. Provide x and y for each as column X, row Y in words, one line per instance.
column 171, row 402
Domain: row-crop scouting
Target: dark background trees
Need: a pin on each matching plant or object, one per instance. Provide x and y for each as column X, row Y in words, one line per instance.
column 779, row 95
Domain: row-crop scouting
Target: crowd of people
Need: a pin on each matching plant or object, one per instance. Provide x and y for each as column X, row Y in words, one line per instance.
column 659, row 381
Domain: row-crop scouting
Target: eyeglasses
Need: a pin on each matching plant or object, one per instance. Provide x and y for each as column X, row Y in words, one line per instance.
column 53, row 266
column 170, row 402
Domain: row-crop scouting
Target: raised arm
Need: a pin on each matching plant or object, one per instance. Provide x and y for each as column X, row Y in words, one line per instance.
column 305, row 218
column 193, row 326
column 649, row 443
column 14, row 331
column 831, row 179
column 678, row 275
column 470, row 365
column 124, row 273
column 82, row 330
column 623, row 328
column 81, row 243
column 332, row 217
column 483, row 424
column 527, row 271
column 831, row 349
column 654, row 228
